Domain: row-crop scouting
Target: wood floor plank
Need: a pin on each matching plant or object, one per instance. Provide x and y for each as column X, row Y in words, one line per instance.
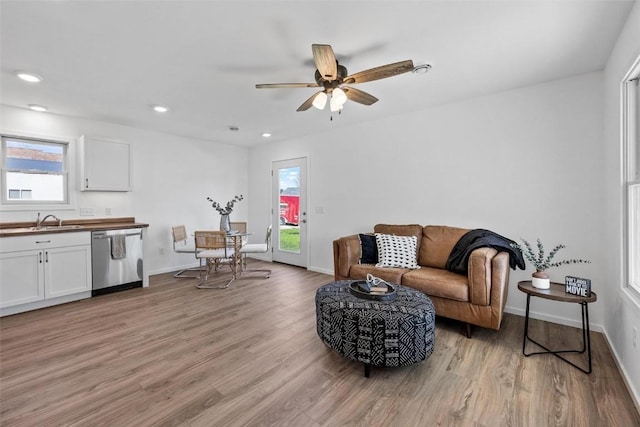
column 172, row 354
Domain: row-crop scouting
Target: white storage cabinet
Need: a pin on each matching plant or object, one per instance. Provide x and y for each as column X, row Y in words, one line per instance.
column 44, row 269
column 105, row 165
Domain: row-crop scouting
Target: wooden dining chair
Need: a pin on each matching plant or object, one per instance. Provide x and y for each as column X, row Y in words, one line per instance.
column 238, row 227
column 212, row 247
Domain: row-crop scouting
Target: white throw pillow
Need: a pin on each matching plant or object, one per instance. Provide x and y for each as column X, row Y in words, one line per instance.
column 397, row 251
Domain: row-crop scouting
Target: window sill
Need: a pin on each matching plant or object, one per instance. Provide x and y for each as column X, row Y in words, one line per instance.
column 37, row 207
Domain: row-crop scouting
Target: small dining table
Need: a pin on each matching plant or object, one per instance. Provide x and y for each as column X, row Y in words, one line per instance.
column 235, row 239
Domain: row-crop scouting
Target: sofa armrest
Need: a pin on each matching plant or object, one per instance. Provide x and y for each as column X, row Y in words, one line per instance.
column 489, row 281
column 479, row 268
column 500, row 269
column 346, row 252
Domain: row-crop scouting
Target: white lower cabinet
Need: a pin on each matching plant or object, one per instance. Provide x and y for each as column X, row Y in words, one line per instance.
column 41, row 270
column 21, row 278
column 67, row 271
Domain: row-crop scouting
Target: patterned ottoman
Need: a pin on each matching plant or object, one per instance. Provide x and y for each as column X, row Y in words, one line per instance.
column 376, row 333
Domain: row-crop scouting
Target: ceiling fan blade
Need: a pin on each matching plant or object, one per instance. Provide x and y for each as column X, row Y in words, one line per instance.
column 284, row 85
column 359, row 96
column 325, row 61
column 308, row 103
column 381, row 72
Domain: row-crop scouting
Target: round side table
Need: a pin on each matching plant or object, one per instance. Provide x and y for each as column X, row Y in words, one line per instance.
column 556, row 293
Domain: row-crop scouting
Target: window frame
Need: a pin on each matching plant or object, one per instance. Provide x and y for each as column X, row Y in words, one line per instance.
column 68, row 174
column 630, row 91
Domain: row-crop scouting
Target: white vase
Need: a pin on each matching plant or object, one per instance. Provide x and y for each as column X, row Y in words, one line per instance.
column 225, row 223
column 540, row 280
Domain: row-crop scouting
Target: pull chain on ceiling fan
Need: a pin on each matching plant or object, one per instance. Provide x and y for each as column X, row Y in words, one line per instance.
column 331, row 76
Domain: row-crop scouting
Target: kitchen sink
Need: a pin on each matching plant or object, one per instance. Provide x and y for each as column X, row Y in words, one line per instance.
column 57, row 227
column 43, row 229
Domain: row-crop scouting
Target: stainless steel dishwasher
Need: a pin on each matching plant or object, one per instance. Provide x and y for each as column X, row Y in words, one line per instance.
column 116, row 257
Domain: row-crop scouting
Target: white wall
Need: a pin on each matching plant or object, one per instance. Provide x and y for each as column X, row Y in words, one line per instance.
column 524, row 163
column 622, row 308
column 172, row 177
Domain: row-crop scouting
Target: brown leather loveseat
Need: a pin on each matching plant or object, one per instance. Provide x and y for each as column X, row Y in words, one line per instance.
column 475, row 299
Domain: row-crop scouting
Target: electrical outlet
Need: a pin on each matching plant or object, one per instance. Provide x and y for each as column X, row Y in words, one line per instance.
column 87, row 212
column 107, row 211
column 634, row 338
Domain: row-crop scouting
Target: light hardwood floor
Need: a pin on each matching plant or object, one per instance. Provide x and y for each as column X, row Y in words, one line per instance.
column 172, row 354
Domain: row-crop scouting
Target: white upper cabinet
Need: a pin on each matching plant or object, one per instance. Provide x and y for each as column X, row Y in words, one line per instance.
column 105, row 164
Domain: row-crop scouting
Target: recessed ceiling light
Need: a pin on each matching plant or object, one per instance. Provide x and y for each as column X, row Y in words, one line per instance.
column 234, row 128
column 29, row 77
column 39, row 108
column 266, row 135
column 160, row 109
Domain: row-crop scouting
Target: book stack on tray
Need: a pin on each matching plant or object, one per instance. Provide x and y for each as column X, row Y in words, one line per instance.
column 377, row 289
column 373, row 288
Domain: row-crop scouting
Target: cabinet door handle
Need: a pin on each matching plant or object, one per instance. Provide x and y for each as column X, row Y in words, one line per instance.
column 43, row 241
column 86, row 183
column 46, row 257
column 40, row 257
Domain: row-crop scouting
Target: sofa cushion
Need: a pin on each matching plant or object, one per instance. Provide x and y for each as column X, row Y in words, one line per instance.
column 400, row 230
column 397, row 251
column 391, row 275
column 437, row 243
column 438, row 282
column 368, row 249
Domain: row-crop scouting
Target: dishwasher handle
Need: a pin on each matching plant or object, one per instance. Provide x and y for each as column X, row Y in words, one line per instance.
column 104, row 236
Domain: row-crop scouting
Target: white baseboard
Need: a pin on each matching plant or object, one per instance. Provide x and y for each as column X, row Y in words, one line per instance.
column 635, row 394
column 321, row 270
column 173, row 268
column 553, row 319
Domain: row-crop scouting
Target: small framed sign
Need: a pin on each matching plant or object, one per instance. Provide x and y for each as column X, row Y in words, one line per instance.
column 577, row 286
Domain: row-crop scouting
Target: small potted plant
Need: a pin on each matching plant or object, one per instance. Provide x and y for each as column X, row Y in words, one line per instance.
column 540, row 279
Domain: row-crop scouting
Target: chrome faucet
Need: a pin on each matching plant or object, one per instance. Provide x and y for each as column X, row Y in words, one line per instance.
column 39, row 221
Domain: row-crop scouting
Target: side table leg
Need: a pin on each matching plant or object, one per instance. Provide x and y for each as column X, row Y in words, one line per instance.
column 586, row 334
column 526, row 326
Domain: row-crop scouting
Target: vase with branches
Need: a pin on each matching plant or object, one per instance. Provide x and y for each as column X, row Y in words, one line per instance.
column 225, row 211
column 542, row 261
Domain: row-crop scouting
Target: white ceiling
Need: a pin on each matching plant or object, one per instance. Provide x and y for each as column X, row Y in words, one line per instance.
column 111, row 60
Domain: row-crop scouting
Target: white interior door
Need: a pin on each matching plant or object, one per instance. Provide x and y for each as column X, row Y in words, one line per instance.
column 289, row 184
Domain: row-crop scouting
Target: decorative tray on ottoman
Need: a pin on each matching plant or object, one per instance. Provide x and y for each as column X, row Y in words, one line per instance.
column 358, row 291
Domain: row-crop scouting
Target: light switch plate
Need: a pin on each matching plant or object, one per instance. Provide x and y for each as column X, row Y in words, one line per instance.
column 87, row 212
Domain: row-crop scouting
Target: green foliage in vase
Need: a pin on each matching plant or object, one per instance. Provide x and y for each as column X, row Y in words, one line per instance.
column 226, row 210
column 538, row 258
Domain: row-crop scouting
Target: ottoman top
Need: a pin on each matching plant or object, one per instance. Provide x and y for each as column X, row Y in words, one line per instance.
column 408, row 300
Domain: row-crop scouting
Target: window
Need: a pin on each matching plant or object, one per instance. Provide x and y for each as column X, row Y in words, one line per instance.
column 631, row 140
column 34, row 171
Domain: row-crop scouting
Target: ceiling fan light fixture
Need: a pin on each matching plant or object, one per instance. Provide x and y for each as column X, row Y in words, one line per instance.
column 335, row 106
column 338, row 96
column 320, row 101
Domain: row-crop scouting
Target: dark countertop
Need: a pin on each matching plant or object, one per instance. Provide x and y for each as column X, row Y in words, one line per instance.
column 68, row 226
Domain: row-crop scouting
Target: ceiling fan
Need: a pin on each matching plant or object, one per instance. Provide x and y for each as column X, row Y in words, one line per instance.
column 331, row 77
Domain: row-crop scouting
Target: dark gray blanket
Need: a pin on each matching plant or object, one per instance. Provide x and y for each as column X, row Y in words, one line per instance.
column 479, row 238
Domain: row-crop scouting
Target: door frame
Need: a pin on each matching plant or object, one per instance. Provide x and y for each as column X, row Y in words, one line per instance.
column 300, row 259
